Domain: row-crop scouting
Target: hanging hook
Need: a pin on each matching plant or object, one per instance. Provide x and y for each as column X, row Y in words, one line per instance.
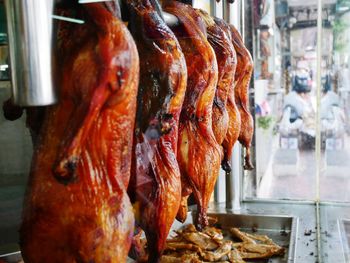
column 169, row 19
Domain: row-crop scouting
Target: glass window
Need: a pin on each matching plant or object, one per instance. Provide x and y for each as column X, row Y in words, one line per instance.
column 335, row 134
column 285, row 101
column 334, row 111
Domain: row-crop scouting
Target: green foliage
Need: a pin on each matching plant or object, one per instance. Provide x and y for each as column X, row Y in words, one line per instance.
column 339, row 28
column 343, row 2
column 265, row 122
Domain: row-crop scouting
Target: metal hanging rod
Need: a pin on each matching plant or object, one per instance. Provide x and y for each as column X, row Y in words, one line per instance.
column 68, row 19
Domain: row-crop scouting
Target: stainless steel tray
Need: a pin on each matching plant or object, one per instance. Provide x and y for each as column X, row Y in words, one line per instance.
column 344, row 225
column 281, row 229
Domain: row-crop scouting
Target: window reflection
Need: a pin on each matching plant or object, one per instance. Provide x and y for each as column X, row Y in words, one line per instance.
column 335, row 180
column 286, row 103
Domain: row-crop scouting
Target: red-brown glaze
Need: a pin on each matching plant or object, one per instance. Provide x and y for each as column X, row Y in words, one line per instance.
column 234, row 124
column 155, row 186
column 76, row 207
column 199, row 153
column 226, row 58
column 243, row 75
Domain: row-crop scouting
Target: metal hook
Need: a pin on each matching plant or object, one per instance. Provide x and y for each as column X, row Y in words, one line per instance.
column 68, row 19
column 169, row 19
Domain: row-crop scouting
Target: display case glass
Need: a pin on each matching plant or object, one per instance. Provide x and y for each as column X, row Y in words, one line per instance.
column 301, row 53
column 299, row 94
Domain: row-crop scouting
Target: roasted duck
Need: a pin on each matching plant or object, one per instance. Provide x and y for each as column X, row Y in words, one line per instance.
column 226, row 59
column 234, row 123
column 226, row 117
column 76, row 207
column 155, row 186
column 199, row 154
column 242, row 78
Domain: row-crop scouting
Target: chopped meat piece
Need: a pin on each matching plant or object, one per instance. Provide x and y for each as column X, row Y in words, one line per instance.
column 174, row 246
column 235, row 257
column 242, row 236
column 256, row 251
column 187, row 229
column 216, row 255
column 214, row 233
column 200, row 239
column 255, row 246
column 210, row 246
column 181, row 258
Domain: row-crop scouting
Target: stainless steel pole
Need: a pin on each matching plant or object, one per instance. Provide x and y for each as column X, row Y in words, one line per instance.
column 213, row 13
column 30, row 32
column 213, row 8
column 229, row 183
column 318, row 127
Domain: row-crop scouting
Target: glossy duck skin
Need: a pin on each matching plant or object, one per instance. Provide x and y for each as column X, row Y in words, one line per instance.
column 243, row 75
column 199, row 154
column 76, row 207
column 227, row 61
column 155, row 186
column 234, row 124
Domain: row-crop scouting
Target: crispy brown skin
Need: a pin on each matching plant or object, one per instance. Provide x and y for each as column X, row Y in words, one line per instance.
column 226, row 59
column 234, row 124
column 243, row 75
column 76, row 207
column 227, row 62
column 199, row 153
column 155, row 185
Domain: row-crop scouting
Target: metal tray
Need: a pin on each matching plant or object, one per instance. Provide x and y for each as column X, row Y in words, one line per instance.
column 281, row 229
column 344, row 225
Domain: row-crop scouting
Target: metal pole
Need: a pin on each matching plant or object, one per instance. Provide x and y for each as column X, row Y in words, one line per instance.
column 29, row 29
column 229, row 176
column 226, row 10
column 212, row 8
column 217, row 187
column 318, row 127
column 318, row 98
